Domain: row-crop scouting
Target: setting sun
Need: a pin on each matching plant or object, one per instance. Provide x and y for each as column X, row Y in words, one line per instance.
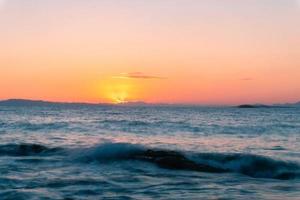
column 118, row 91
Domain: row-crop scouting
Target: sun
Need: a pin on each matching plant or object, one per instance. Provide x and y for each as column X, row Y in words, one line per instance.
column 118, row 91
column 119, row 94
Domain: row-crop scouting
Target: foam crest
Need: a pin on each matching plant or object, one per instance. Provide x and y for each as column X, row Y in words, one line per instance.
column 108, row 152
column 251, row 165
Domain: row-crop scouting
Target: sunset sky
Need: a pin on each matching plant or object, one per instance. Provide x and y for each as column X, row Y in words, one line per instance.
column 158, row 51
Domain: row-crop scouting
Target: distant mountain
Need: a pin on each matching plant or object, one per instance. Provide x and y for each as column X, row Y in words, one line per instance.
column 22, row 102
column 282, row 105
column 297, row 104
column 254, row 106
column 26, row 102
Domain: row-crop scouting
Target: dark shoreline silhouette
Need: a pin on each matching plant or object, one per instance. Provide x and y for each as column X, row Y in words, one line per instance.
column 27, row 102
column 254, row 106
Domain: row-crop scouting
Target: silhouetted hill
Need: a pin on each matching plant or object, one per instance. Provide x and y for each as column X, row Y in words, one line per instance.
column 26, row 102
column 22, row 102
column 290, row 104
column 254, row 106
column 286, row 105
column 295, row 104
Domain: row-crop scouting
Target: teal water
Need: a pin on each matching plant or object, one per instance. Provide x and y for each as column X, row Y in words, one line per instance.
column 113, row 152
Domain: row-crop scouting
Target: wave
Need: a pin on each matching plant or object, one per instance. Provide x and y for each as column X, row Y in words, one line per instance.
column 251, row 165
column 108, row 152
column 125, row 122
column 28, row 126
column 144, row 126
column 154, row 126
column 26, row 150
column 247, row 164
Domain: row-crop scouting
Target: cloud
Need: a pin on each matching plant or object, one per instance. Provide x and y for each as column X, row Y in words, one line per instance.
column 138, row 75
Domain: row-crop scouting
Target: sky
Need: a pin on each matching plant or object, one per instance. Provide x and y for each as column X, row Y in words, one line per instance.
column 158, row 51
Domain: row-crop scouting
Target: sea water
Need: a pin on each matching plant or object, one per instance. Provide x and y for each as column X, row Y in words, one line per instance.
column 163, row 152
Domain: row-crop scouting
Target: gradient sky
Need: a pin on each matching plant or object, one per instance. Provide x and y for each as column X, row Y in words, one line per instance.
column 172, row 51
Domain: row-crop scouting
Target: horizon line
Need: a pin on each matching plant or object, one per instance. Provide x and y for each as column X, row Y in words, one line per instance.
column 141, row 103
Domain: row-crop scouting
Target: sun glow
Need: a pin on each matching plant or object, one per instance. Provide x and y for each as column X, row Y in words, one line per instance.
column 118, row 91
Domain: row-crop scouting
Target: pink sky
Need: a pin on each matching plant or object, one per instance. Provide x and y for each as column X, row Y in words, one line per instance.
column 171, row 51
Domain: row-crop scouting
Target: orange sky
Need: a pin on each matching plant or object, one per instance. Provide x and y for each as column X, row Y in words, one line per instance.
column 171, row 51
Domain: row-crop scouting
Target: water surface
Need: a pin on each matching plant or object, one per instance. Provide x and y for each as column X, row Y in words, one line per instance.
column 103, row 152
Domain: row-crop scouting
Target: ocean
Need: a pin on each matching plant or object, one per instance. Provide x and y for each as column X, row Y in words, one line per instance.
column 164, row 152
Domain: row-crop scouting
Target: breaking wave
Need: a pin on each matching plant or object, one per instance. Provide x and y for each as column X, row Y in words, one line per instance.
column 251, row 165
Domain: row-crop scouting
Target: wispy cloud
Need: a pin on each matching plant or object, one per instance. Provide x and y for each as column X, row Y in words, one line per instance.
column 138, row 75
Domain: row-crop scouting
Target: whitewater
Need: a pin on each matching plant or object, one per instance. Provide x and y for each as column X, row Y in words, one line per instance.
column 149, row 152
